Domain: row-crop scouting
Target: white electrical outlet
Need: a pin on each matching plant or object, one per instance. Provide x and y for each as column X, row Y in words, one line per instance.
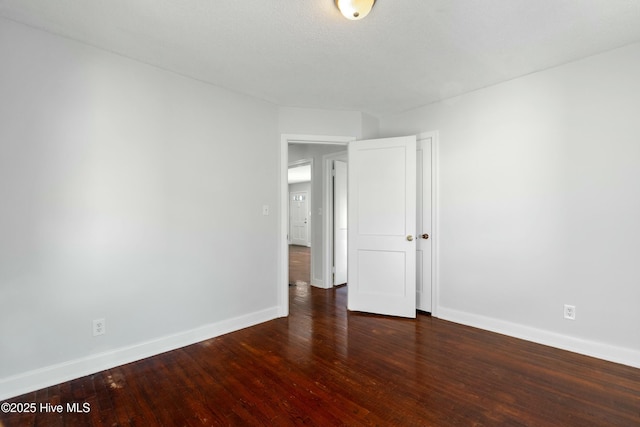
column 570, row 312
column 99, row 327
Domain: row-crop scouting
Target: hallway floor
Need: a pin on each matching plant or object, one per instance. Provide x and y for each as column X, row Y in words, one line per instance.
column 299, row 265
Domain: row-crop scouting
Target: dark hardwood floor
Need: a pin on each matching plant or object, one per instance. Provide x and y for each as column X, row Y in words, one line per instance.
column 299, row 265
column 323, row 366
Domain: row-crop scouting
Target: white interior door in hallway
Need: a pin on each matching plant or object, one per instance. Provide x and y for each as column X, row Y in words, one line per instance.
column 299, row 218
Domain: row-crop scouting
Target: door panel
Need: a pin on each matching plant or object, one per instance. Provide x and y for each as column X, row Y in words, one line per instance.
column 382, row 220
column 388, row 281
column 381, row 181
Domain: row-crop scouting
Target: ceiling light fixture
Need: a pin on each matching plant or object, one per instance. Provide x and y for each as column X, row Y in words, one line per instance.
column 355, row 9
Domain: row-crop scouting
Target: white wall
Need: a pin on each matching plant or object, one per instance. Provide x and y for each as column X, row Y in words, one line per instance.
column 313, row 121
column 300, row 186
column 116, row 203
column 539, row 184
column 370, row 127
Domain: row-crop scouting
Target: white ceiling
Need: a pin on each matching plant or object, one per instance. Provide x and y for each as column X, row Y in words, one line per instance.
column 303, row 53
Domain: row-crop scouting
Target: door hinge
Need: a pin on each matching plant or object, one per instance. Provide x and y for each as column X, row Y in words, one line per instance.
column 333, row 269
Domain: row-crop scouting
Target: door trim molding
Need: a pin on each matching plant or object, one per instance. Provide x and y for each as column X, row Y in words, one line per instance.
column 283, row 247
column 435, row 231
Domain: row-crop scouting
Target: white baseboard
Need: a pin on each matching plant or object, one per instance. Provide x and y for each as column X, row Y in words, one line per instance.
column 596, row 349
column 55, row 374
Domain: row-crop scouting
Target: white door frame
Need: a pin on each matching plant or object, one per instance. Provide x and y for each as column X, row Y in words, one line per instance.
column 283, row 246
column 434, row 219
column 327, row 160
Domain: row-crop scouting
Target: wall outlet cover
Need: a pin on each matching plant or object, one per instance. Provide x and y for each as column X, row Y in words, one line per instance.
column 99, row 327
column 570, row 312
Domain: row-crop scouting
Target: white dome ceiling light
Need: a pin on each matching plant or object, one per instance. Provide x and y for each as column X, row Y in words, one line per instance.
column 355, row 9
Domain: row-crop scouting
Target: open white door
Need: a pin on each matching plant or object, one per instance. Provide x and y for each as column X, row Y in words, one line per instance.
column 340, row 222
column 382, row 223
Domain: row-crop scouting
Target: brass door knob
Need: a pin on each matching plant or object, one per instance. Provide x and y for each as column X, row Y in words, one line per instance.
column 409, row 237
column 425, row 236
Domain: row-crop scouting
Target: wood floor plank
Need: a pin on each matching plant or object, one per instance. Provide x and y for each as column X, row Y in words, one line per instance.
column 104, row 400
column 299, row 264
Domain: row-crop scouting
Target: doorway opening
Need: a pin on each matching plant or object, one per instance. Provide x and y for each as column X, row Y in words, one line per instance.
column 299, row 240
column 316, row 151
column 426, row 228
